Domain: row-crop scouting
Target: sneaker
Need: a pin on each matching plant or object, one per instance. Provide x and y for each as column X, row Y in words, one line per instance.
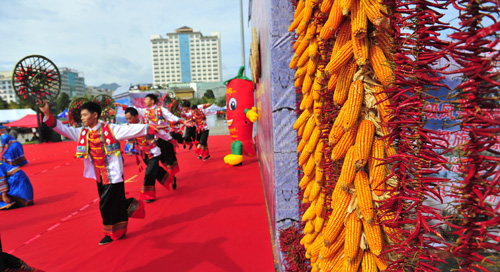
column 206, row 158
column 191, row 146
column 174, row 185
column 184, row 146
column 106, row 240
column 200, row 157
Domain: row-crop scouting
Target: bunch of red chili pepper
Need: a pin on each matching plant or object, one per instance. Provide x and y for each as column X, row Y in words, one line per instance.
column 475, row 50
column 420, row 150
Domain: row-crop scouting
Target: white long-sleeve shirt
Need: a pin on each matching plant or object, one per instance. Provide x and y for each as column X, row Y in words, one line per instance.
column 115, row 163
column 167, row 116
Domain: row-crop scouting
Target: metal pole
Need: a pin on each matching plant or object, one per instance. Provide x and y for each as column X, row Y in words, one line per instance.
column 242, row 38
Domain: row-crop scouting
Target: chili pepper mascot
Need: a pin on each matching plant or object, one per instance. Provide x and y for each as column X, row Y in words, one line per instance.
column 241, row 114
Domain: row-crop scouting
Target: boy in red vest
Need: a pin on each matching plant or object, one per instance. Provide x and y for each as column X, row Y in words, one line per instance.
column 98, row 144
column 200, row 114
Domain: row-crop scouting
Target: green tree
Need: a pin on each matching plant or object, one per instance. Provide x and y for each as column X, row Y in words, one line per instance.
column 14, row 105
column 62, row 102
column 209, row 94
column 3, row 104
column 221, row 101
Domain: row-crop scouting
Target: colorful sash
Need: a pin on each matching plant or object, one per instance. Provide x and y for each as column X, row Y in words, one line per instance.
column 110, row 144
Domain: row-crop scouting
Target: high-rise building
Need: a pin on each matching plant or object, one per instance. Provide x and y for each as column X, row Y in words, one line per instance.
column 72, row 83
column 186, row 56
column 6, row 90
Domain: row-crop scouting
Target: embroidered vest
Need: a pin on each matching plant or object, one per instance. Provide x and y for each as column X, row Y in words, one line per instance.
column 153, row 115
column 144, row 143
column 110, row 144
column 200, row 119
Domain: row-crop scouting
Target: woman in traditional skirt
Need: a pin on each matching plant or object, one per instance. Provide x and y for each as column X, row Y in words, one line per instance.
column 15, row 187
column 14, row 153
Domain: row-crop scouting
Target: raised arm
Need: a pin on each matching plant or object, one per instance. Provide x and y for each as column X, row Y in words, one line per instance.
column 170, row 116
column 141, row 111
column 125, row 132
column 67, row 131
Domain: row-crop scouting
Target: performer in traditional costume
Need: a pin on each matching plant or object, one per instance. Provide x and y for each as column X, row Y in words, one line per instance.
column 98, row 144
column 190, row 132
column 15, row 187
column 160, row 116
column 13, row 150
column 150, row 153
column 200, row 114
column 12, row 263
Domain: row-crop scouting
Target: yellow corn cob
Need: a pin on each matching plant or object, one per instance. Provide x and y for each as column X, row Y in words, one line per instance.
column 308, row 9
column 381, row 261
column 368, row 264
column 310, row 125
column 315, row 190
column 376, row 168
column 359, row 20
column 299, row 81
column 383, row 101
column 372, row 10
column 352, row 107
column 316, row 246
column 300, row 72
column 353, row 266
column 307, row 84
column 319, row 174
column 314, row 267
column 312, row 64
column 311, row 238
column 393, row 235
column 300, row 7
column 310, row 166
column 310, row 213
column 345, row 5
column 343, row 36
column 318, row 109
column 318, row 155
column 333, row 22
column 353, row 236
column 320, row 222
column 302, row 118
column 304, row 157
column 307, row 191
column 296, row 21
column 305, row 181
column 340, row 203
column 364, row 194
column 334, row 263
column 308, row 228
column 298, row 42
column 326, row 6
column 348, row 171
column 299, row 52
column 332, row 82
column 336, row 246
column 347, row 140
column 384, row 40
column 320, row 204
column 303, row 58
column 313, row 140
column 374, row 236
column 303, row 240
column 307, row 101
column 313, row 51
column 300, row 131
column 340, row 59
column 301, row 144
column 344, row 82
column 381, row 67
column 363, row 143
column 360, row 48
column 318, row 82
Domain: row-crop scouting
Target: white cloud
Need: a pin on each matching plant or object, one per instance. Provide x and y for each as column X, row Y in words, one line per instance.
column 108, row 41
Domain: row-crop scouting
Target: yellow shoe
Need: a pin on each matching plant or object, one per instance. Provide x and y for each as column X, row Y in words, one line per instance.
column 232, row 159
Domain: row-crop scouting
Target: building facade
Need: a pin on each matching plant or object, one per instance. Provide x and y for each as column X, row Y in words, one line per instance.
column 186, row 56
column 6, row 91
column 72, row 83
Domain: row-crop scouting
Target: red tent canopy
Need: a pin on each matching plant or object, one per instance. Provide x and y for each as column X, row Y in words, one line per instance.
column 28, row 121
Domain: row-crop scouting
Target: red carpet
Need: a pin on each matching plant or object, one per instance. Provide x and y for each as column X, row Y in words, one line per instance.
column 215, row 221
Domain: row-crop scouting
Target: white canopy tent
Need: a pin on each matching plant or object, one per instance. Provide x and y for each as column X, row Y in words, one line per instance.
column 14, row 114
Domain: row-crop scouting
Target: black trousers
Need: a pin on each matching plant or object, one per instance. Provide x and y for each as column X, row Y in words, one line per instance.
column 203, row 137
column 190, row 135
column 167, row 156
column 153, row 171
column 177, row 136
column 112, row 203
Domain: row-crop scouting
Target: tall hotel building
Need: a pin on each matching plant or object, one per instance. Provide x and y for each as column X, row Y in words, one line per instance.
column 186, row 56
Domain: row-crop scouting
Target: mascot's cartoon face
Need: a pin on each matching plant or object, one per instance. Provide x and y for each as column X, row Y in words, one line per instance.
column 239, row 97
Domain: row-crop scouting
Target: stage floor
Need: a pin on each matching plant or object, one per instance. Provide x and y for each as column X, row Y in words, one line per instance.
column 216, row 220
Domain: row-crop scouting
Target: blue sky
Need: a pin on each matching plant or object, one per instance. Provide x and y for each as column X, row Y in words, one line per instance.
column 109, row 41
